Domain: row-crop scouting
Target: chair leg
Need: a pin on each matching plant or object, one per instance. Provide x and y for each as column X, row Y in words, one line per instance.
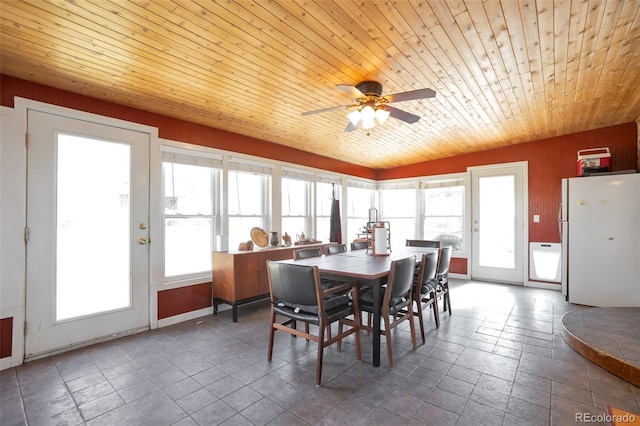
column 271, row 336
column 420, row 319
column 321, row 327
column 436, row 314
column 357, row 325
column 387, row 335
column 306, row 329
column 411, row 325
column 447, row 300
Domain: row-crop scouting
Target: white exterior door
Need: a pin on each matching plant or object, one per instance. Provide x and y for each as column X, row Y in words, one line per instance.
column 87, row 249
column 498, row 223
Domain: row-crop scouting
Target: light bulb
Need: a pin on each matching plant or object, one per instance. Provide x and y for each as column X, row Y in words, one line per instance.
column 382, row 115
column 354, row 117
column 367, row 115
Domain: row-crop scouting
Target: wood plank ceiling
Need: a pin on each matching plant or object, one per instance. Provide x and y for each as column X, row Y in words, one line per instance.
column 504, row 72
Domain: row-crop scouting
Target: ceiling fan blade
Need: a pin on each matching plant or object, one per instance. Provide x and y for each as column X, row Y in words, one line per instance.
column 351, row 91
column 409, row 96
column 324, row 110
column 405, row 116
column 350, row 127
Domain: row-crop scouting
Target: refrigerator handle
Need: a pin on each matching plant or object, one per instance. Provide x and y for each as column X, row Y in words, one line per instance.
column 560, row 221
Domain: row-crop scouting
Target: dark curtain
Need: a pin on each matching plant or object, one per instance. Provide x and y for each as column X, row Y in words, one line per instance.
column 335, row 231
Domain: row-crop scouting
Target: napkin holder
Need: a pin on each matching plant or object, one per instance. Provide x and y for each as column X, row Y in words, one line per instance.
column 380, row 237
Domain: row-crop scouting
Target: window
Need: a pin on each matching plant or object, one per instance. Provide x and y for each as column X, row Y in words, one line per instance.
column 296, row 202
column 249, row 201
column 324, row 196
column 443, row 212
column 360, row 198
column 398, row 207
column 190, row 202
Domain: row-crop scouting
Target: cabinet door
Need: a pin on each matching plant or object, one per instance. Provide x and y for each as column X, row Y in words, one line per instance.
column 247, row 269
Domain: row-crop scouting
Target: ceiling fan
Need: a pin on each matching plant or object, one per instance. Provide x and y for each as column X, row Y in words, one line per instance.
column 369, row 104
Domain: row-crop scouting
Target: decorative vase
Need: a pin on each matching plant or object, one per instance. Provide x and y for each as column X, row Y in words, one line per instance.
column 274, row 238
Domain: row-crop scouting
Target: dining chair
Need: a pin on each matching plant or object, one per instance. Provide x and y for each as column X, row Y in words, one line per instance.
column 442, row 276
column 307, row 252
column 359, row 245
column 423, row 243
column 397, row 301
column 336, row 248
column 297, row 295
column 424, row 289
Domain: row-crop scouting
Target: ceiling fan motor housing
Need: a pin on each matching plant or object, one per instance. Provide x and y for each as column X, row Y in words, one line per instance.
column 370, row 88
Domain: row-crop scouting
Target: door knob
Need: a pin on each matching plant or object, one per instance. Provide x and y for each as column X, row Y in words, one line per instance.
column 142, row 241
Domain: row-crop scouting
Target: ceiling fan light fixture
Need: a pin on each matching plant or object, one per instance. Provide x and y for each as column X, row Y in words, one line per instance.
column 382, row 115
column 367, row 115
column 354, row 117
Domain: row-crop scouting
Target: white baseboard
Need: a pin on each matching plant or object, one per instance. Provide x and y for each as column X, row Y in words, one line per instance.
column 6, row 363
column 547, row 286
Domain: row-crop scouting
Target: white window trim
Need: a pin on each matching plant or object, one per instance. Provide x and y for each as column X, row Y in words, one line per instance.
column 212, row 160
column 441, row 181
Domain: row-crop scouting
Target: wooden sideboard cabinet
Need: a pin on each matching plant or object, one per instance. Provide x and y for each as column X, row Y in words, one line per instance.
column 240, row 277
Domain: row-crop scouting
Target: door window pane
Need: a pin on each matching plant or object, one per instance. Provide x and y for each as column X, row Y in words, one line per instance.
column 93, row 240
column 496, row 217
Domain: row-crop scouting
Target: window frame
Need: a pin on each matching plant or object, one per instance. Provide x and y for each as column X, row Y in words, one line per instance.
column 441, row 181
column 240, row 165
column 404, row 184
column 195, row 158
column 360, row 184
column 309, row 196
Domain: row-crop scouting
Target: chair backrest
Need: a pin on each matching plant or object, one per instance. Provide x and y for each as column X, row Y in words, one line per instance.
column 423, row 243
column 307, row 252
column 295, row 284
column 400, row 277
column 336, row 248
column 444, row 260
column 359, row 245
column 428, row 267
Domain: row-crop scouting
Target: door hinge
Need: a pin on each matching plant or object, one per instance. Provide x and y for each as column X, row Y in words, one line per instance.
column 26, row 234
column 27, row 140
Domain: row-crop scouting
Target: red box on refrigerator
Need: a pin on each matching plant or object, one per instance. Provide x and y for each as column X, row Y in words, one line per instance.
column 594, row 160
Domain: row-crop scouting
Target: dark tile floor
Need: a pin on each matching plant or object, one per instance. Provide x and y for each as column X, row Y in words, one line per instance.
column 499, row 359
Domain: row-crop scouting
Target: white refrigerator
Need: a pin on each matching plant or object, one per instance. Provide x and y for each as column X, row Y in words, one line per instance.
column 600, row 226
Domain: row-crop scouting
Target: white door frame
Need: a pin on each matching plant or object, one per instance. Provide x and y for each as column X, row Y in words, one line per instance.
column 525, row 213
column 21, row 108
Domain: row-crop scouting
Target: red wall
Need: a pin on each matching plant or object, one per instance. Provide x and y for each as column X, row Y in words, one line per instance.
column 184, row 299
column 6, row 336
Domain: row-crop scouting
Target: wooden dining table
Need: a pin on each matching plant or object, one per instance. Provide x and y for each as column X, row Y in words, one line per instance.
column 366, row 268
